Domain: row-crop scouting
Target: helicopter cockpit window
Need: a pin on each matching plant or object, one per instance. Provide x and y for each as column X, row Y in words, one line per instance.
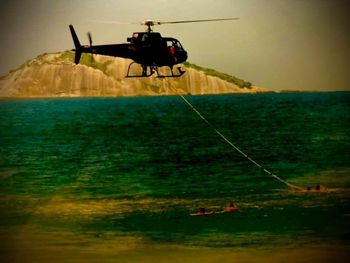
column 175, row 44
column 178, row 45
column 145, row 38
column 169, row 44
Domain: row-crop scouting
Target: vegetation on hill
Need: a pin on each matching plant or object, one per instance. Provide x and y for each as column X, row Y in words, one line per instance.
column 86, row 59
column 37, row 79
column 90, row 61
column 212, row 72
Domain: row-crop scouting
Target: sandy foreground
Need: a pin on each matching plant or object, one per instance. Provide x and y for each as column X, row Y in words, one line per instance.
column 27, row 245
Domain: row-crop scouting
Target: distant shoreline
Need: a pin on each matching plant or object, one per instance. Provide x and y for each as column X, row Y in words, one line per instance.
column 171, row 95
column 311, row 91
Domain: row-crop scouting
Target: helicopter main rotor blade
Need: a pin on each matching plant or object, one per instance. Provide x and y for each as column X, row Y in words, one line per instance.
column 114, row 22
column 152, row 23
column 195, row 21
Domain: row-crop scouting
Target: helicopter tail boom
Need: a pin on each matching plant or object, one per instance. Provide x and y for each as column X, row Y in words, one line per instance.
column 78, row 47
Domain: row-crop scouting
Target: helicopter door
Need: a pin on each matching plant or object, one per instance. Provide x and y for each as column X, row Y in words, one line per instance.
column 174, row 49
column 171, row 48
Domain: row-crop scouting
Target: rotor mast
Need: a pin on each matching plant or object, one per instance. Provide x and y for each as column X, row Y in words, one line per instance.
column 149, row 24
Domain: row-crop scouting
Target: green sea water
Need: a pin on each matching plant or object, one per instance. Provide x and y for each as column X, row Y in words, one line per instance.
column 105, row 170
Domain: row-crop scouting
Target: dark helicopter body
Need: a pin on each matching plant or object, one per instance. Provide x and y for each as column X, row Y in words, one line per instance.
column 149, row 49
column 153, row 49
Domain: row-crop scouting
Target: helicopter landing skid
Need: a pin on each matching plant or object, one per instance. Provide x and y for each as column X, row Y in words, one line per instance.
column 147, row 73
column 179, row 69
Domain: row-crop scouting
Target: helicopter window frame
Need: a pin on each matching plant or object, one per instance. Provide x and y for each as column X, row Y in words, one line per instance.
column 172, row 42
column 178, row 45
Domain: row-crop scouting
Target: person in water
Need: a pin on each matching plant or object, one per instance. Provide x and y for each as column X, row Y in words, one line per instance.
column 231, row 207
column 317, row 188
column 201, row 212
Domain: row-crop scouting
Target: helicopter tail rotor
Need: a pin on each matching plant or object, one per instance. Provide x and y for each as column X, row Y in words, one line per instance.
column 90, row 47
column 90, row 38
column 78, row 47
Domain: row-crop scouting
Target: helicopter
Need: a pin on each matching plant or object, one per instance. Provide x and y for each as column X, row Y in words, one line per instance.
column 149, row 49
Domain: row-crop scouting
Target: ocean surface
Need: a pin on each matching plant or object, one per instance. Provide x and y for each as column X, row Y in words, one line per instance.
column 119, row 174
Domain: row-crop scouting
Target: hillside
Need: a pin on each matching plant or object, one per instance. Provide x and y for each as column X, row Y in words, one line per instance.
column 56, row 75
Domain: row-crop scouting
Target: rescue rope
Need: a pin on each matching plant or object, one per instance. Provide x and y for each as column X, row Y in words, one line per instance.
column 236, row 148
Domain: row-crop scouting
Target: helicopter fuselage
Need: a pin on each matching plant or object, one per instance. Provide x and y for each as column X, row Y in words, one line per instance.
column 149, row 49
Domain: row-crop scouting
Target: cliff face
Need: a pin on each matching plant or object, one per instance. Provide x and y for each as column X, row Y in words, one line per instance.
column 55, row 75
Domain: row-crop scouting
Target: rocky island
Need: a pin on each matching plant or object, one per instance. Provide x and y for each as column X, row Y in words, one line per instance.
column 56, row 75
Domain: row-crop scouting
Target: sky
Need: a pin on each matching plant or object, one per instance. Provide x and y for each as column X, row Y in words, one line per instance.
column 276, row 44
